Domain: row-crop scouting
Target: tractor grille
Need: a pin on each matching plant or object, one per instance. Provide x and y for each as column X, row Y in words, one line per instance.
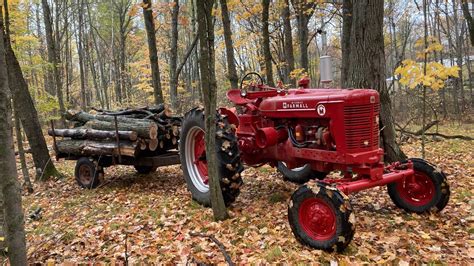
column 362, row 130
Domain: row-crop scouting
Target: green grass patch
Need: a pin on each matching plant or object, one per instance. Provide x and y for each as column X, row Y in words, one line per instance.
column 153, row 214
column 276, row 197
column 464, row 194
column 115, row 226
column 273, row 254
column 44, row 230
column 194, row 205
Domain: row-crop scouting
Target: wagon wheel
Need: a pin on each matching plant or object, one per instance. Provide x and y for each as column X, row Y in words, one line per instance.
column 87, row 174
column 426, row 189
column 321, row 217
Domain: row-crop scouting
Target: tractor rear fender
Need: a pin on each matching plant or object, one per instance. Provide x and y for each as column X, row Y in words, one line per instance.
column 231, row 114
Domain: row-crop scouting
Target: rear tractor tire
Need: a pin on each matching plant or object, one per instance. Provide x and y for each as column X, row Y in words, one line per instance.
column 321, row 217
column 88, row 174
column 299, row 175
column 192, row 148
column 427, row 190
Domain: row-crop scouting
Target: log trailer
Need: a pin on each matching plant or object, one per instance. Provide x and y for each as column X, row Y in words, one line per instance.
column 145, row 138
column 306, row 134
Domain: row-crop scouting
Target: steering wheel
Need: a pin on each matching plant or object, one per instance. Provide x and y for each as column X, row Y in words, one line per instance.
column 250, row 86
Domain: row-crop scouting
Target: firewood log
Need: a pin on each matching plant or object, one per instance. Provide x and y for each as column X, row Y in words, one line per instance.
column 146, row 130
column 96, row 148
column 87, row 133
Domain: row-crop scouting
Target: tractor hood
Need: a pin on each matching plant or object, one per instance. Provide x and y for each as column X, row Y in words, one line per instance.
column 309, row 102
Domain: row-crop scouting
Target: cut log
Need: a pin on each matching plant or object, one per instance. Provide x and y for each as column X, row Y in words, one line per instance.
column 96, row 148
column 175, row 130
column 143, row 145
column 87, row 133
column 83, row 117
column 146, row 130
column 152, row 144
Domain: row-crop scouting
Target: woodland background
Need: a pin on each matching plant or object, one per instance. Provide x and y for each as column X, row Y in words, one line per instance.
column 103, row 61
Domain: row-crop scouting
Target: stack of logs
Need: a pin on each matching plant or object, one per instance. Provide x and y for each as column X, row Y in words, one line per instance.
column 146, row 131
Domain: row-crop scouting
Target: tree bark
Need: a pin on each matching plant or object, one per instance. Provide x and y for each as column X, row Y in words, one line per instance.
column 53, row 55
column 85, row 133
column 80, row 53
column 144, row 130
column 266, row 43
column 209, row 87
column 459, row 37
column 10, row 190
column 152, row 50
column 345, row 40
column 96, row 148
column 304, row 11
column 21, row 153
column 288, row 42
column 367, row 42
column 229, row 46
column 29, row 119
column 174, row 56
column 469, row 19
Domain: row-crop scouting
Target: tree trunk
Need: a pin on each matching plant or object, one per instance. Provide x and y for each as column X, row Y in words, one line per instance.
column 174, row 56
column 345, row 40
column 229, row 46
column 10, row 190
column 80, row 53
column 21, row 153
column 152, row 50
column 29, row 118
column 459, row 37
column 469, row 19
column 304, row 10
column 209, row 87
column 367, row 42
column 288, row 42
column 53, row 55
column 266, row 43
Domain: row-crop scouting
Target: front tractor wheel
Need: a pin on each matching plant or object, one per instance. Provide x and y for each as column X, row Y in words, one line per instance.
column 321, row 217
column 192, row 148
column 426, row 189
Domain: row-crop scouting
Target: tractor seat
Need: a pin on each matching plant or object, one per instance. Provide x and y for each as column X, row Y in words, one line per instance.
column 235, row 97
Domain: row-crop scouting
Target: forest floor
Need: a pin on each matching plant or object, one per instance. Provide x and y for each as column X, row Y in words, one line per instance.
column 149, row 218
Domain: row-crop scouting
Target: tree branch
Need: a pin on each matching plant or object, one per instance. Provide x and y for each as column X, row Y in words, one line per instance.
column 219, row 244
column 186, row 56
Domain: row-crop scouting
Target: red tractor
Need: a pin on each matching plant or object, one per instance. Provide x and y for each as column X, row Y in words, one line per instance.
column 308, row 133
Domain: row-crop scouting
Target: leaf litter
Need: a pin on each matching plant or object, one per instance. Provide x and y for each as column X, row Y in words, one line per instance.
column 154, row 215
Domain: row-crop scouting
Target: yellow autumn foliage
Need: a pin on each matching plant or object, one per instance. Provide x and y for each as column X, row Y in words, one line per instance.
column 412, row 73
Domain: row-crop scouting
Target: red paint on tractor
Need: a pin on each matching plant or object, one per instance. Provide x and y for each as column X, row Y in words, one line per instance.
column 318, row 219
column 200, row 156
column 331, row 129
column 417, row 190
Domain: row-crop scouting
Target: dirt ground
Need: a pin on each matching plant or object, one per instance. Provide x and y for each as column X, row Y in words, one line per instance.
column 148, row 218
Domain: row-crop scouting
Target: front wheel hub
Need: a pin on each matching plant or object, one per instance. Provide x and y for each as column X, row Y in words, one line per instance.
column 418, row 190
column 317, row 219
